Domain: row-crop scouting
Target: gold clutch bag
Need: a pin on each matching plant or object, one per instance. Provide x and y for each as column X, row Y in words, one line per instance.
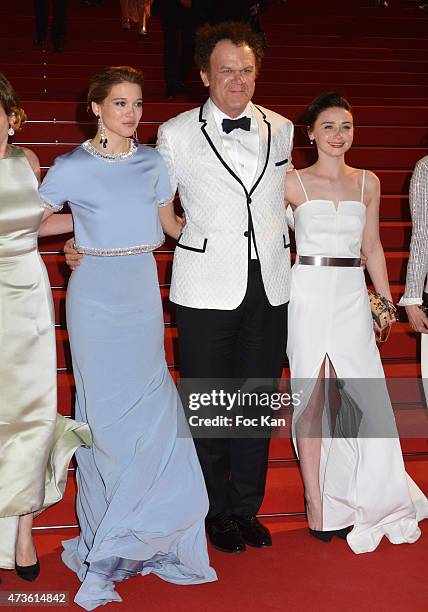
column 383, row 313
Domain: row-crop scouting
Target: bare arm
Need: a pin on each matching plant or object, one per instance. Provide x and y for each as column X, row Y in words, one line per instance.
column 33, row 160
column 371, row 245
column 290, row 197
column 171, row 224
column 55, row 223
column 293, row 190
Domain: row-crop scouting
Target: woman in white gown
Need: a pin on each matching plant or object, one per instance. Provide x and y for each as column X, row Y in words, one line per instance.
column 344, row 433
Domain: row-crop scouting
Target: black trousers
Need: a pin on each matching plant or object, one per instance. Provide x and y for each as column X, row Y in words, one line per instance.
column 178, row 24
column 248, row 342
column 59, row 19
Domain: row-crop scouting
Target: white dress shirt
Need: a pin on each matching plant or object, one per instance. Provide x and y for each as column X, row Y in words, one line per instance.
column 240, row 149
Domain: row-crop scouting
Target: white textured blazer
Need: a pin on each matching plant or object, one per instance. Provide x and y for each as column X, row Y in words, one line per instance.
column 211, row 257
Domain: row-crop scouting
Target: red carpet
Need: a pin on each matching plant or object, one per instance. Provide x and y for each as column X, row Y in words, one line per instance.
column 298, row 573
column 379, row 58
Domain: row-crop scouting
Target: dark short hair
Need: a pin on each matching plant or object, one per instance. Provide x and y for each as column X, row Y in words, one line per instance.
column 327, row 99
column 10, row 103
column 237, row 32
column 102, row 83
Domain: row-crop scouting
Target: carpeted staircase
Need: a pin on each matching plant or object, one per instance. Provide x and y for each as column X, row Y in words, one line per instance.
column 378, row 58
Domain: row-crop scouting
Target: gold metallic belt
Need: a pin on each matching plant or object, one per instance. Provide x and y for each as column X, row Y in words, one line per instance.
column 318, row 260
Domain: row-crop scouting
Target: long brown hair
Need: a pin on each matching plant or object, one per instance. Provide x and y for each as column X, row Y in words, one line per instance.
column 10, row 103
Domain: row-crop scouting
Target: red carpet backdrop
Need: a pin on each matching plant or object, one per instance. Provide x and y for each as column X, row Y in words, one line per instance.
column 378, row 58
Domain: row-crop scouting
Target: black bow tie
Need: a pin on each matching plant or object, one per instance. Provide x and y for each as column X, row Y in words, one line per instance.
column 244, row 123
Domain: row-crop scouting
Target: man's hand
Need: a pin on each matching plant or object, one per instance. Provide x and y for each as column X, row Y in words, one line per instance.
column 417, row 318
column 254, row 9
column 186, row 3
column 72, row 257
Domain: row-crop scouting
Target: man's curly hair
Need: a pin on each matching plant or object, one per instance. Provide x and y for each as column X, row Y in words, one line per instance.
column 237, row 32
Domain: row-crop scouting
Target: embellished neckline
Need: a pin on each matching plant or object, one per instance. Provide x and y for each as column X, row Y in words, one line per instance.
column 110, row 157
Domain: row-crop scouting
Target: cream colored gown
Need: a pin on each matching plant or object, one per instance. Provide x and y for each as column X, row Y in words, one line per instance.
column 36, row 444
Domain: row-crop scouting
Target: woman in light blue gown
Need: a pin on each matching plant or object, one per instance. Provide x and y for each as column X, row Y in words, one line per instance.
column 141, row 495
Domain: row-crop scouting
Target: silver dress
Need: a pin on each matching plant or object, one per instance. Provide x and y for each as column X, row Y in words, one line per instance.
column 36, row 443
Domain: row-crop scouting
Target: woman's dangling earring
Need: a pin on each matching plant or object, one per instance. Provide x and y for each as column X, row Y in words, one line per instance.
column 102, row 131
column 11, row 131
column 135, row 138
column 311, row 141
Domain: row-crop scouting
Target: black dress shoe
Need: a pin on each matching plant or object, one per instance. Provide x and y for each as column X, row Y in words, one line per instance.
column 224, row 534
column 324, row 536
column 28, row 572
column 342, row 533
column 253, row 532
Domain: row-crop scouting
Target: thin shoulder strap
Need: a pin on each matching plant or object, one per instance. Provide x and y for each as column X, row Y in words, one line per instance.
column 302, row 185
column 363, row 182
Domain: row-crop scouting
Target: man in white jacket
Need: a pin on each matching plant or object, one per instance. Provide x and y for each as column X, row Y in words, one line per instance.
column 230, row 280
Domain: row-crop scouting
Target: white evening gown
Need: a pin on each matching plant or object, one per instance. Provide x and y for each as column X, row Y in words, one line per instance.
column 362, row 478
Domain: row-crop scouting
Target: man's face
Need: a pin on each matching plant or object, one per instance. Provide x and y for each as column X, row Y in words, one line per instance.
column 231, row 77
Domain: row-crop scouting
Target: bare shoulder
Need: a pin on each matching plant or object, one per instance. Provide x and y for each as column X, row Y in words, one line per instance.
column 292, row 179
column 33, row 160
column 372, row 179
column 293, row 189
column 372, row 185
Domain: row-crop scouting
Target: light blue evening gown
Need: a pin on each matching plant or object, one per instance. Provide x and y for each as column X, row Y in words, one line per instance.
column 141, row 495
